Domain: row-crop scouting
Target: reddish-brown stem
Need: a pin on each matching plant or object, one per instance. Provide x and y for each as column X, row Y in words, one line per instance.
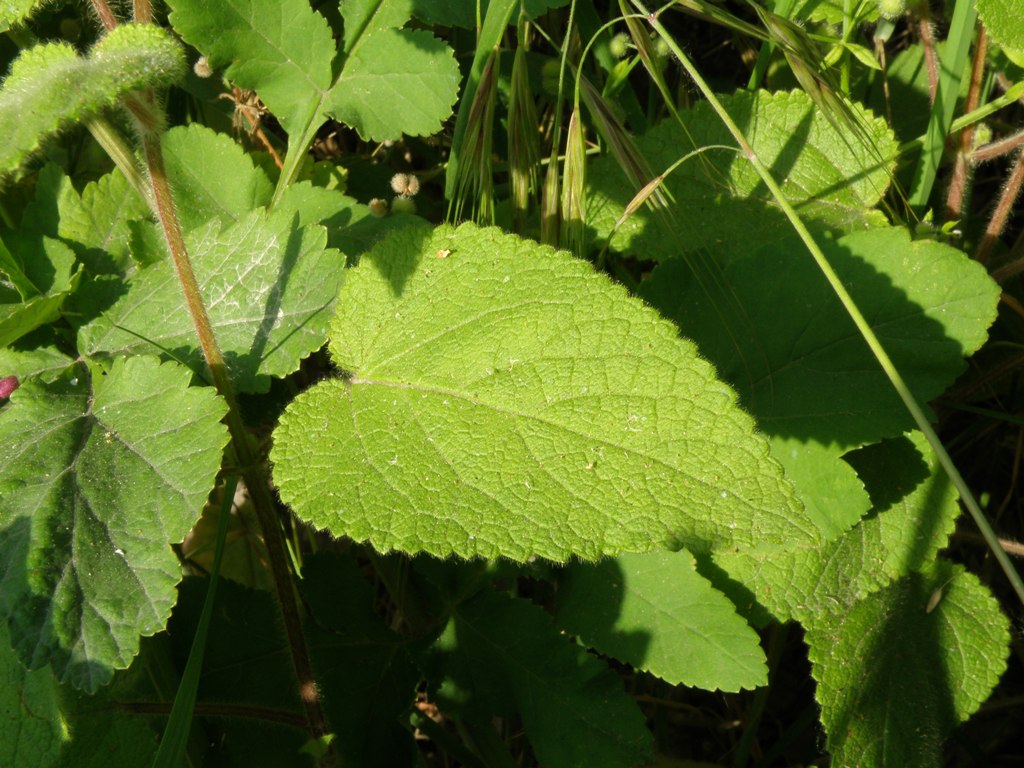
column 931, row 58
column 107, row 18
column 961, row 168
column 999, row 148
column 142, row 11
column 1004, row 207
column 253, row 470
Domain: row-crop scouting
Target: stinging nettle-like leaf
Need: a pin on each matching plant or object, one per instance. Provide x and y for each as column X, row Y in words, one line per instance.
column 100, row 474
column 50, row 86
column 503, row 399
column 655, row 612
column 940, row 635
column 269, row 289
column 914, row 511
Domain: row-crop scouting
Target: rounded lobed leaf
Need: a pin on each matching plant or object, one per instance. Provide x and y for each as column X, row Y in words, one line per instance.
column 503, row 399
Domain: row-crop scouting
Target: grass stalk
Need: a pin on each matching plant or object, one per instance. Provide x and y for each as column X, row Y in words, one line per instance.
column 863, row 327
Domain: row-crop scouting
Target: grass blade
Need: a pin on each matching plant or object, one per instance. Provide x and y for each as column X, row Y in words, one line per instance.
column 172, row 746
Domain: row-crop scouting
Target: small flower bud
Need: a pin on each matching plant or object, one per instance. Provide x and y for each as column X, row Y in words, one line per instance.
column 378, row 207
column 405, row 184
column 892, row 9
column 202, row 67
column 619, row 45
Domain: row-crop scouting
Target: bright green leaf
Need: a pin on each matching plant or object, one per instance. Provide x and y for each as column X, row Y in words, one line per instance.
column 914, row 511
column 1004, row 21
column 281, row 49
column 101, row 473
column 830, row 490
column 655, row 612
column 50, row 86
column 97, row 224
column 211, row 177
column 269, row 290
column 504, row 399
column 458, row 13
column 830, row 178
column 941, row 636
column 397, row 81
column 507, row 652
column 364, row 17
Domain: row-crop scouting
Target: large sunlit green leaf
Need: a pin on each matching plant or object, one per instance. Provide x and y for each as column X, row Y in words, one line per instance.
column 101, row 472
column 281, row 49
column 656, row 613
column 269, row 289
column 502, row 398
column 900, row 670
column 503, row 657
column 51, row 86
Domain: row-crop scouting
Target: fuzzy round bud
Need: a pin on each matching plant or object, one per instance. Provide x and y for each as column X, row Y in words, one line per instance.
column 892, row 9
column 405, row 184
column 378, row 207
column 202, row 67
column 619, row 45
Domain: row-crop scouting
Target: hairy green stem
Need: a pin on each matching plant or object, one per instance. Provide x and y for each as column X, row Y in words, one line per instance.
column 868, row 334
column 119, row 151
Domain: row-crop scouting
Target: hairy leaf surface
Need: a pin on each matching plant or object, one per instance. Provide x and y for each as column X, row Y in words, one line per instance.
column 102, row 472
column 914, row 511
column 50, row 86
column 504, row 399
